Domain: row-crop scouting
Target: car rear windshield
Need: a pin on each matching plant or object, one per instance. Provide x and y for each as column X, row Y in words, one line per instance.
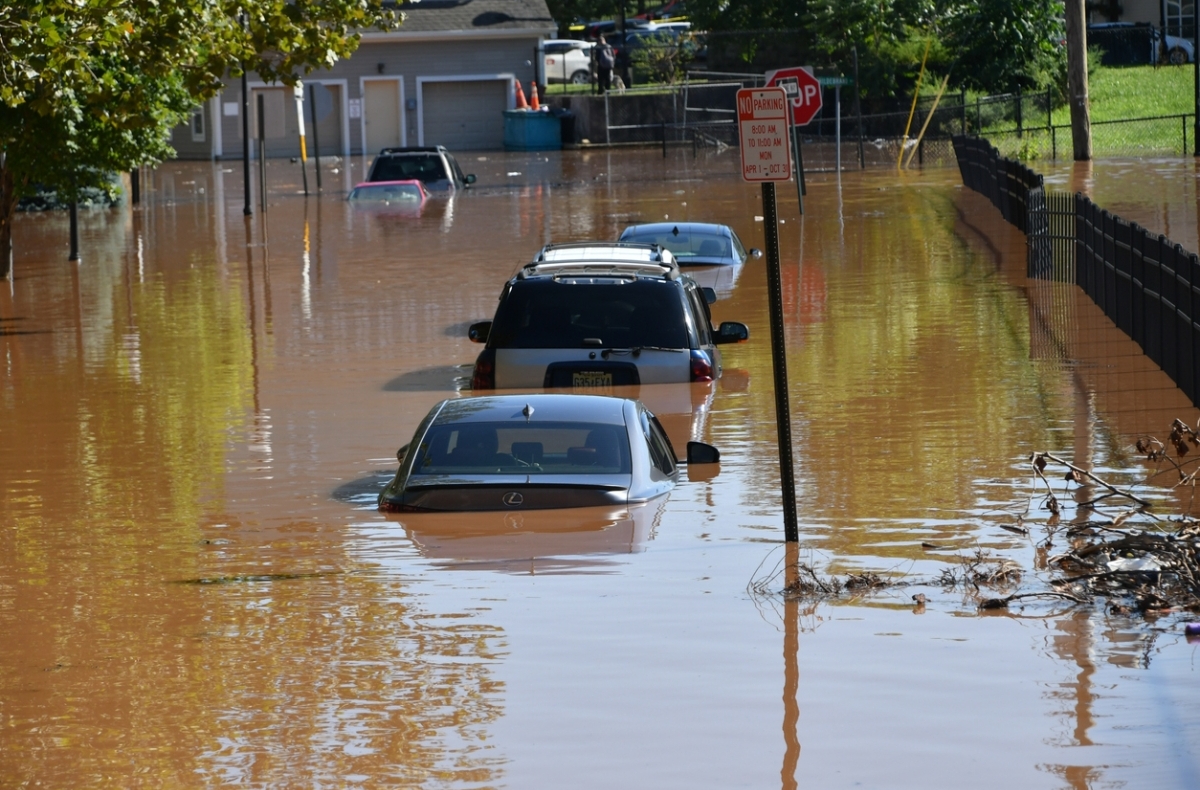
column 426, row 167
column 578, row 314
column 684, row 246
column 387, row 193
column 540, row 448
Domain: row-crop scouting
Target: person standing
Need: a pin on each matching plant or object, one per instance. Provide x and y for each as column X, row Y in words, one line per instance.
column 606, row 58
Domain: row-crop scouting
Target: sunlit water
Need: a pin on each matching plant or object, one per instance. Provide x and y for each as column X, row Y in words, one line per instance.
column 196, row 589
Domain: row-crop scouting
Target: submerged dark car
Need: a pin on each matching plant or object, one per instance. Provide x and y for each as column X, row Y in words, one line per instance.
column 434, row 166
column 533, row 452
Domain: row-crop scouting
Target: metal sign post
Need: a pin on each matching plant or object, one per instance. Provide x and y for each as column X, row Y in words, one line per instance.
column 763, row 129
column 298, row 93
column 262, row 153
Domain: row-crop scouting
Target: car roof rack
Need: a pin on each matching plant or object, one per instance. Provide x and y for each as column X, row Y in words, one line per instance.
column 423, row 149
column 605, row 258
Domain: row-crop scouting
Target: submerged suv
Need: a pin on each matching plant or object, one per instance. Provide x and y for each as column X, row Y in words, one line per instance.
column 597, row 315
column 433, row 166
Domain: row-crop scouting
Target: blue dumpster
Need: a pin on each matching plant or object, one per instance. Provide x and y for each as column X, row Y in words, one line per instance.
column 529, row 130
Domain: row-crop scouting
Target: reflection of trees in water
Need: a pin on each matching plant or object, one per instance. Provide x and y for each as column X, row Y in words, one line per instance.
column 914, row 386
column 340, row 677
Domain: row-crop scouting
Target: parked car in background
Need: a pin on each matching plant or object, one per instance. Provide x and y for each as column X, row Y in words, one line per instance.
column 534, row 452
column 434, row 166
column 693, row 242
column 567, row 60
column 411, row 191
column 1137, row 44
column 597, row 315
column 392, row 198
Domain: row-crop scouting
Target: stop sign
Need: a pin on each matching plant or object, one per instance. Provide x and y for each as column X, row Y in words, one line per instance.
column 802, row 89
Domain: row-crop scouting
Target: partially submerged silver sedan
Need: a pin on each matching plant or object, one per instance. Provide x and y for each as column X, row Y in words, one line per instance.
column 525, row 452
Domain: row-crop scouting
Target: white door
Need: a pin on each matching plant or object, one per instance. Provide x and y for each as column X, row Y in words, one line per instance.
column 464, row 116
column 381, row 114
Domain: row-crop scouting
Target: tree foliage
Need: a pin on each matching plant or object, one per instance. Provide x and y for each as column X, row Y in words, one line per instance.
column 988, row 45
column 89, row 87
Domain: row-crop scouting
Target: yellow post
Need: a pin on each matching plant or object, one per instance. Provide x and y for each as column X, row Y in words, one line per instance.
column 928, row 118
column 913, row 109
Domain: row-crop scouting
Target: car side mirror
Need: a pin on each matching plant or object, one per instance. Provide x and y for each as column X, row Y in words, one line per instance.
column 731, row 332
column 401, row 454
column 478, row 333
column 470, row 179
column 710, row 294
column 701, row 453
column 755, row 252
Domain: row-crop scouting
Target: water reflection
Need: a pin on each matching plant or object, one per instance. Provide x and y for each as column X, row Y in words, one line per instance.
column 203, row 399
column 533, row 542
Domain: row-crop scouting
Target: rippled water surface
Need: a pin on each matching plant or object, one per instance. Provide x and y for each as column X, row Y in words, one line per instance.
column 196, row 589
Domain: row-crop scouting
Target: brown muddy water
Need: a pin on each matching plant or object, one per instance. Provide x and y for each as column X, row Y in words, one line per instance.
column 196, row 589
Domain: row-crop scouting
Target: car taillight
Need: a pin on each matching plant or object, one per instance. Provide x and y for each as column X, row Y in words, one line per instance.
column 485, row 371
column 702, row 367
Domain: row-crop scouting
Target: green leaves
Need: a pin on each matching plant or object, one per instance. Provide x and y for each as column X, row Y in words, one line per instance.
column 105, row 80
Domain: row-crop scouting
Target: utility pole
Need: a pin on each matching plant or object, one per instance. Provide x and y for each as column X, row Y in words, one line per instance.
column 1077, row 80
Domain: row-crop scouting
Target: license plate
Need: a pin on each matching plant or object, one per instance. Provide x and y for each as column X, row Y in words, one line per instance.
column 589, row 379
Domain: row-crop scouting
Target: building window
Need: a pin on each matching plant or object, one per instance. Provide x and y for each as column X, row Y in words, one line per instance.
column 198, row 125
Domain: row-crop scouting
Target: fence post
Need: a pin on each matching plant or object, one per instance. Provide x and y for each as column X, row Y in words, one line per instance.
column 663, row 132
column 964, row 111
column 1019, row 97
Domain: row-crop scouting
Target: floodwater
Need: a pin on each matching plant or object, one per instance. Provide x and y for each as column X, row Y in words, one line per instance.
column 196, row 589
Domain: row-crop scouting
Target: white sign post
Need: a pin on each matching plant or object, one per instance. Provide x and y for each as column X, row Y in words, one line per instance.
column 766, row 158
column 763, row 129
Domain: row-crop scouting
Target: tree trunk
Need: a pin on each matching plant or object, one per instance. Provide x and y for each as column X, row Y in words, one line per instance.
column 1077, row 80
column 8, row 207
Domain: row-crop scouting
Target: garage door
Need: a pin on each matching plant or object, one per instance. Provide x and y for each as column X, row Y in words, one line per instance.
column 465, row 116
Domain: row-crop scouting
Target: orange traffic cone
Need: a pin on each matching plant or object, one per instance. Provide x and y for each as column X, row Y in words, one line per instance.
column 534, row 104
column 521, row 103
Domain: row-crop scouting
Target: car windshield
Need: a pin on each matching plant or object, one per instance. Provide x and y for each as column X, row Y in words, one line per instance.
column 538, row 448
column 426, row 168
column 685, row 245
column 387, row 193
column 620, row 314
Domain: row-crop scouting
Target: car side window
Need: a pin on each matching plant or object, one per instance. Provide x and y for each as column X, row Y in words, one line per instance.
column 702, row 317
column 458, row 173
column 662, row 455
column 739, row 250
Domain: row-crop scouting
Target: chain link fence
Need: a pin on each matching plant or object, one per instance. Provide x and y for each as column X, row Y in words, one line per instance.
column 702, row 110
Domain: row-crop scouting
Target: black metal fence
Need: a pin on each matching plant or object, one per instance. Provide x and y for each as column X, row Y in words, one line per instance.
column 1145, row 283
column 1003, row 181
column 1148, row 285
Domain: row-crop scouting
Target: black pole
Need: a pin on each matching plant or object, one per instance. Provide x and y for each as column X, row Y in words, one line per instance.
column 663, row 132
column 74, row 254
column 262, row 154
column 783, row 414
column 246, row 209
column 135, row 186
column 312, row 105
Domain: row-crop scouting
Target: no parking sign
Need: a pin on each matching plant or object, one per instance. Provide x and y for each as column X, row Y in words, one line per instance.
column 763, row 130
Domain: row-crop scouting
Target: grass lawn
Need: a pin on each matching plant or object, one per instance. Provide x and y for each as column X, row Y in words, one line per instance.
column 1137, row 92
column 1115, row 94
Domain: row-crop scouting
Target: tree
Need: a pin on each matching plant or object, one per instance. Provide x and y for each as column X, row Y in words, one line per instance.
column 1001, row 46
column 92, row 87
